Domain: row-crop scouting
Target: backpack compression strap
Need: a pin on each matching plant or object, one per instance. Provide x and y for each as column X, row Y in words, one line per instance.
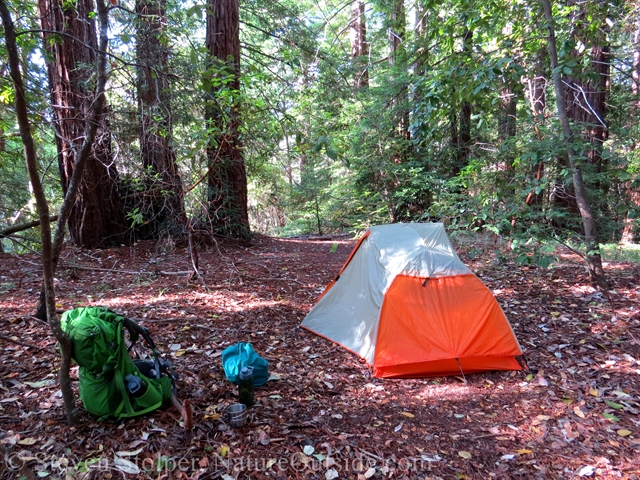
column 125, row 409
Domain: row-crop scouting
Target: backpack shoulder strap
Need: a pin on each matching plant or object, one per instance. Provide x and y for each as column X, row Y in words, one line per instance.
column 118, row 377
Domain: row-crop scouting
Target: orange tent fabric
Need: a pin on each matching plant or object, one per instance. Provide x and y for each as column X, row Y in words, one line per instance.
column 406, row 304
column 434, row 326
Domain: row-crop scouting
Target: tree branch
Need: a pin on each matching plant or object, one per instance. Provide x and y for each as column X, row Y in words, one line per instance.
column 41, row 205
column 24, row 226
column 98, row 50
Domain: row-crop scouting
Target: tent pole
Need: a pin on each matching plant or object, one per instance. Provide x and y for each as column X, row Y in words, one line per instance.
column 463, row 377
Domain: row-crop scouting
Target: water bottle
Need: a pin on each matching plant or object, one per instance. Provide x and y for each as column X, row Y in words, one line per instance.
column 136, row 386
column 245, row 387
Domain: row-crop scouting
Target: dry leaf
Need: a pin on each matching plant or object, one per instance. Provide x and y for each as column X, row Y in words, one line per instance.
column 464, row 454
column 586, row 471
column 578, row 412
column 331, row 474
column 408, row 415
column 623, row 433
column 130, row 454
column 264, row 438
column 524, row 451
column 31, row 441
column 125, row 465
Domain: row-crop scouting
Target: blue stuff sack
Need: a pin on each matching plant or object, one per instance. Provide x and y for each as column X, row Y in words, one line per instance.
column 240, row 355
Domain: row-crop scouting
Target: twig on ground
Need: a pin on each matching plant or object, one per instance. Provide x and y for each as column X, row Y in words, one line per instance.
column 24, row 344
column 128, row 272
column 185, row 411
column 38, row 320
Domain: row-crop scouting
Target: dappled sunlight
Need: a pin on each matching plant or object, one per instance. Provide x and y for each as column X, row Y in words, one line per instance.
column 203, row 302
column 580, row 290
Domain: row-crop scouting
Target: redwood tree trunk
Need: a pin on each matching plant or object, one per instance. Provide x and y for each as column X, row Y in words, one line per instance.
column 163, row 204
column 359, row 48
column 538, row 103
column 396, row 32
column 631, row 226
column 227, row 179
column 506, row 131
column 97, row 217
column 586, row 103
column 507, row 117
column 464, row 137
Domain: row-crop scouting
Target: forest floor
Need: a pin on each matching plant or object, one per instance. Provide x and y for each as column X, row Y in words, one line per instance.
column 323, row 415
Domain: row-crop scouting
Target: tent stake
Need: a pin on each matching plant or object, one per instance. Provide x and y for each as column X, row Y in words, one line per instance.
column 463, row 377
column 526, row 364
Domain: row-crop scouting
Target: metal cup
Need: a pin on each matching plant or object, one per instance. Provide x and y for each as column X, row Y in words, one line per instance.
column 237, row 414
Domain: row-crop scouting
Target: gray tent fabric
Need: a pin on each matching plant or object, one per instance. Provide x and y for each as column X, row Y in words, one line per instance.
column 349, row 315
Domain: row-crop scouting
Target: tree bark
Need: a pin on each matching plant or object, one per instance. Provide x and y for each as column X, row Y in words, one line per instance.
column 538, row 102
column 506, row 131
column 163, row 206
column 397, row 22
column 396, row 30
column 227, row 179
column 42, row 207
column 359, row 47
column 587, row 90
column 421, row 26
column 630, row 230
column 592, row 256
column 3, row 140
column 25, row 226
column 97, row 217
column 631, row 225
column 635, row 72
column 465, row 111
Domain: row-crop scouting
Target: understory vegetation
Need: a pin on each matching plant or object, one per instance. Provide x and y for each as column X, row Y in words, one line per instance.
column 344, row 115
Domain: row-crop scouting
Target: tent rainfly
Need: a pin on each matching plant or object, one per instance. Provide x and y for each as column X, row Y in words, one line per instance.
column 407, row 304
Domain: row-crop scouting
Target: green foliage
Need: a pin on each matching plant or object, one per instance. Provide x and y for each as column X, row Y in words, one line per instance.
column 17, row 205
column 323, row 155
column 621, row 252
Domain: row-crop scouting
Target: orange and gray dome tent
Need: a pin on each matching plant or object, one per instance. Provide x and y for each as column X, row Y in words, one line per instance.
column 407, row 304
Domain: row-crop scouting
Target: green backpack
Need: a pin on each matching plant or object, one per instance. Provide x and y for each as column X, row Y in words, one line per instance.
column 112, row 384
